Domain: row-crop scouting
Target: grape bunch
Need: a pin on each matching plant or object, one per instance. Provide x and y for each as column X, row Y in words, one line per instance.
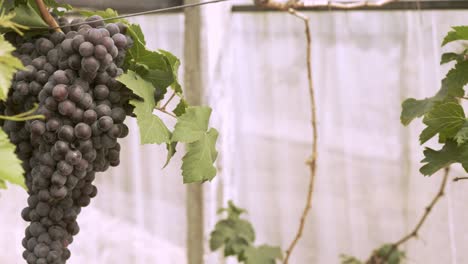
column 71, row 76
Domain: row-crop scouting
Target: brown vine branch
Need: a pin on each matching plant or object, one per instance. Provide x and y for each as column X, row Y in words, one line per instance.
column 428, row 210
column 313, row 161
column 47, row 16
column 168, row 101
column 459, row 178
column 330, row 4
column 165, row 112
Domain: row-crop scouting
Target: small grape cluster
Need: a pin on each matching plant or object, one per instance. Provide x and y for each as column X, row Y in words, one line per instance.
column 71, row 75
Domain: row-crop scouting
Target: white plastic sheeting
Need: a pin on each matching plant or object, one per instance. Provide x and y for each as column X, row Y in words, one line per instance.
column 368, row 188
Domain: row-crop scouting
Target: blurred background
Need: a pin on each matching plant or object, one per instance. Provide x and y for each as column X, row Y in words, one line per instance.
column 368, row 189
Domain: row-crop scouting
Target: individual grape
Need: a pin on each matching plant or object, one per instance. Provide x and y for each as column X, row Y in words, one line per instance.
column 77, row 115
column 90, row 64
column 26, row 48
column 112, row 29
column 74, row 62
column 66, row 133
column 114, row 131
column 114, row 52
column 118, row 115
column 103, row 110
column 49, row 68
column 67, row 47
column 122, row 27
column 100, row 52
column 86, row 101
column 108, row 43
column 114, row 97
column 83, row 131
column 43, row 209
column 64, row 168
column 77, row 41
column 38, row 127
column 66, row 108
column 95, row 21
column 62, row 147
column 60, row 77
column 41, row 77
column 76, row 21
column 105, row 123
column 60, row 92
column 94, row 36
column 43, row 46
column 82, row 83
column 101, row 92
column 89, row 116
column 39, row 62
column 57, row 37
column 86, row 49
column 53, row 57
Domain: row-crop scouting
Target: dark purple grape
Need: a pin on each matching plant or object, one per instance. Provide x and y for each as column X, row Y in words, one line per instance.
column 83, row 131
column 60, row 92
column 122, row 27
column 75, row 93
column 73, row 157
column 101, row 92
column 39, row 62
column 103, row 110
column 74, row 62
column 66, row 108
column 86, row 49
column 112, row 28
column 60, row 77
column 44, row 45
column 105, row 123
column 77, row 116
column 90, row 64
column 38, row 127
column 67, row 46
column 89, row 116
column 87, row 101
column 53, row 57
column 95, row 21
column 94, row 36
column 76, row 21
column 57, row 37
column 66, row 133
column 100, row 52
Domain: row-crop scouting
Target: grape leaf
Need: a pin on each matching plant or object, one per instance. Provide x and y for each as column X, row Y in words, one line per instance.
column 450, row 56
column 452, row 86
column 345, row 259
column 446, row 119
column 8, row 66
column 234, row 234
column 180, row 108
column 386, row 254
column 171, row 151
column 152, row 128
column 262, row 255
column 197, row 164
column 192, row 125
column 58, row 8
column 10, row 166
column 108, row 13
column 174, row 62
column 438, row 159
column 457, row 33
column 456, row 79
column 462, row 135
column 27, row 16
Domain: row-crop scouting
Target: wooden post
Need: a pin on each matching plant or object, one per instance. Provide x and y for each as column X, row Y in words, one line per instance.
column 193, row 83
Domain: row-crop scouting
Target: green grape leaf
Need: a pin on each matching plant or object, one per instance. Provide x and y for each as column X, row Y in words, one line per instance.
column 10, row 166
column 152, row 128
column 462, row 135
column 448, row 57
column 233, row 211
column 136, row 33
column 192, row 125
column 8, row 66
column 174, row 62
column 6, row 23
column 234, row 234
column 456, row 79
column 457, row 33
column 181, row 107
column 263, row 254
column 171, row 151
column 446, row 119
column 58, row 8
column 27, row 16
column 387, row 254
column 452, row 86
column 108, row 13
column 345, row 259
column 438, row 159
column 197, row 164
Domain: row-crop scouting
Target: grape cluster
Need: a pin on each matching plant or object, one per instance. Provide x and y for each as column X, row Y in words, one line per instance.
column 71, row 75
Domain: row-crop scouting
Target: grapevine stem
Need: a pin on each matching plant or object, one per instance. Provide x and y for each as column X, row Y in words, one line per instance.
column 46, row 15
column 27, row 112
column 414, row 233
column 313, row 161
column 168, row 101
column 21, row 119
column 459, row 178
